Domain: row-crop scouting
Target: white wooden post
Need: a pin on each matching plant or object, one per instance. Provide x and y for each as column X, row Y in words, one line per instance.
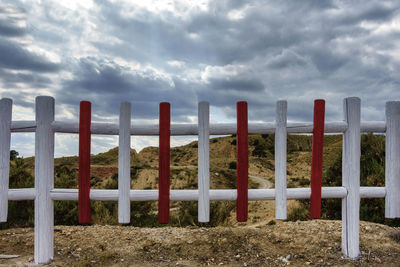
column 44, row 180
column 392, row 161
column 124, row 163
column 351, row 178
column 280, row 160
column 204, row 162
column 5, row 136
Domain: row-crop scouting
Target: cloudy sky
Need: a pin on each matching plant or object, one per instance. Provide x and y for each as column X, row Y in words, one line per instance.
column 184, row 52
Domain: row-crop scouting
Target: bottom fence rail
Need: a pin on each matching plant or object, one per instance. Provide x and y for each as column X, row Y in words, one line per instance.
column 193, row 195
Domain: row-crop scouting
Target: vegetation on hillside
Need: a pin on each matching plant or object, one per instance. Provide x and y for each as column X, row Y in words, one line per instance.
column 372, row 173
column 144, row 169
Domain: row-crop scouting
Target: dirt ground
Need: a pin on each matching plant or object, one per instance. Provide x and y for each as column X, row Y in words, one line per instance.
column 314, row 242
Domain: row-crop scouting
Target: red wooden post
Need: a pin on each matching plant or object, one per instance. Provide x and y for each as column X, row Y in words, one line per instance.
column 317, row 155
column 84, row 163
column 242, row 162
column 163, row 162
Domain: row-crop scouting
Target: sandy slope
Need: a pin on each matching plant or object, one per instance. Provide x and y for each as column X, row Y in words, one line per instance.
column 296, row 243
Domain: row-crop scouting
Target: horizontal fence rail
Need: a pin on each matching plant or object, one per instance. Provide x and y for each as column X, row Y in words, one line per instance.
column 191, row 195
column 192, row 129
column 350, row 192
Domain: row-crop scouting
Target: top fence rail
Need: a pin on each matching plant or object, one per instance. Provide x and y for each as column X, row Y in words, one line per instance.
column 192, row 129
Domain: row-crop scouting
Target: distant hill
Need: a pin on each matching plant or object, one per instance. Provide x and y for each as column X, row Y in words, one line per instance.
column 222, row 162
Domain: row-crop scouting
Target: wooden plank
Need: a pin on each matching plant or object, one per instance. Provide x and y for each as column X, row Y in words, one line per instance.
column 192, row 129
column 351, row 178
column 373, row 127
column 22, row 194
column 193, row 195
column 124, row 163
column 44, row 180
column 372, row 192
column 163, row 163
column 23, row 126
column 392, row 160
column 242, row 161
column 280, row 160
column 204, row 162
column 316, row 161
column 84, row 162
column 5, row 137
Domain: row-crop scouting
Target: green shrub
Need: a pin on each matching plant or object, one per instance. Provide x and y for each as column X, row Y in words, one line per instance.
column 291, row 184
column 144, row 214
column 261, row 147
column 188, row 211
column 65, row 212
column 13, row 154
column 135, row 170
column 232, row 165
column 94, row 180
column 300, row 213
column 304, row 182
column 269, row 140
column 104, row 212
column 113, row 184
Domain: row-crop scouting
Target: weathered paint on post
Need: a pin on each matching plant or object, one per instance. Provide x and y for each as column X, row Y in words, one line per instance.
column 242, row 162
column 84, row 162
column 280, row 160
column 317, row 156
column 163, row 163
column 351, row 178
column 124, row 163
column 5, row 137
column 44, row 180
column 392, row 161
column 204, row 162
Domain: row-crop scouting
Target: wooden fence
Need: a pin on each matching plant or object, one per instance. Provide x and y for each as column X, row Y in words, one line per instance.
column 350, row 192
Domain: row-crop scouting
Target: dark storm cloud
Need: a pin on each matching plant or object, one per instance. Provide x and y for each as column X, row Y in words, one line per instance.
column 326, row 61
column 13, row 56
column 106, row 84
column 10, row 30
column 14, row 80
column 286, row 59
column 237, row 84
column 10, row 21
column 369, row 12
